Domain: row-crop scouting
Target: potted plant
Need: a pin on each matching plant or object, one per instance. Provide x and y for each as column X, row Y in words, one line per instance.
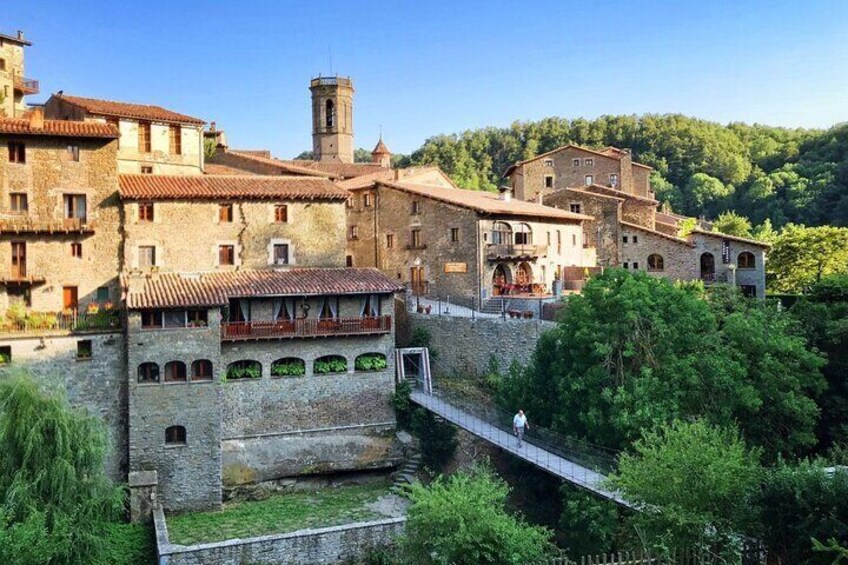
column 528, row 314
column 427, row 309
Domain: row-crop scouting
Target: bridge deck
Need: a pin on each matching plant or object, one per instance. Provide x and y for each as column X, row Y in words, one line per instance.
column 545, row 460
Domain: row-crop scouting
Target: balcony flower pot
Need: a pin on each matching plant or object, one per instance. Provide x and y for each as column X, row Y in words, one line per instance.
column 528, row 314
column 420, row 309
column 427, row 309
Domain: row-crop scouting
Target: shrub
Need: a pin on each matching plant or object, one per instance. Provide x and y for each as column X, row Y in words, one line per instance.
column 244, row 370
column 371, row 362
column 437, row 438
column 330, row 364
column 289, row 367
column 402, row 404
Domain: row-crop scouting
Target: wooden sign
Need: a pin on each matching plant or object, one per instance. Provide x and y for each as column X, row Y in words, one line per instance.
column 725, row 251
column 456, row 267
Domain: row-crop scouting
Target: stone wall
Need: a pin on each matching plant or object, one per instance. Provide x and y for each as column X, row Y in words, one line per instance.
column 465, row 346
column 639, row 212
column 335, row 544
column 565, row 174
column 605, row 210
column 96, row 383
column 680, row 262
column 13, row 55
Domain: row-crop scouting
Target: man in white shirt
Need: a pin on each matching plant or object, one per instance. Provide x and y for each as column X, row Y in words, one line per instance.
column 519, row 425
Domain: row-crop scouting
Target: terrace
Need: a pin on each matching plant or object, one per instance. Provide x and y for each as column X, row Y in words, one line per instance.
column 26, row 85
column 18, row 320
column 267, row 329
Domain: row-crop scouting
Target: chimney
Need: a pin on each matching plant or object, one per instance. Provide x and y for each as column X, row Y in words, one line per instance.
column 539, row 198
column 20, row 35
column 506, row 193
column 212, row 126
column 36, row 118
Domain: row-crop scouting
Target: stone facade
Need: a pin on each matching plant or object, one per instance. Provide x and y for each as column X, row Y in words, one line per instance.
column 313, row 232
column 12, row 91
column 49, row 176
column 601, row 232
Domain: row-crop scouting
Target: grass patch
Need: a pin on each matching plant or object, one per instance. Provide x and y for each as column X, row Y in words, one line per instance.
column 279, row 514
column 130, row 543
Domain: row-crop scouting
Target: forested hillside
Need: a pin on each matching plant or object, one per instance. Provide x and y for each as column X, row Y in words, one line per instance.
column 702, row 168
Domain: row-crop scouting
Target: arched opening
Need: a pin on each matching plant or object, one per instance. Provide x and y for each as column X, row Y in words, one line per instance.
column 746, row 260
column 245, row 369
column 501, row 233
column 201, row 370
column 524, row 276
column 175, row 435
column 330, row 116
column 175, row 371
column 655, row 262
column 148, row 373
column 523, row 234
column 501, row 279
column 330, row 364
column 288, row 367
column 707, row 267
column 370, row 362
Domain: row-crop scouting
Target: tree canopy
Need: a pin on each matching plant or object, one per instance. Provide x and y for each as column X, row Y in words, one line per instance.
column 801, row 256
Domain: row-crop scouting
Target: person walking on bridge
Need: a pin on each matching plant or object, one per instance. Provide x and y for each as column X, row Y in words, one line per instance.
column 520, row 425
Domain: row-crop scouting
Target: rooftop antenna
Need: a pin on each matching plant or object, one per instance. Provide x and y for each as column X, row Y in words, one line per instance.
column 330, row 48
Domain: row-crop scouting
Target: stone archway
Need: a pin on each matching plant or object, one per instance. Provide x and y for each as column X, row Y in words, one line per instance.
column 524, row 275
column 501, row 279
column 707, row 267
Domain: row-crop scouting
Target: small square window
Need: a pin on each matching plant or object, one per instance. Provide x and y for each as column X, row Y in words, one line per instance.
column 635, row 239
column 197, row 318
column 416, row 207
column 281, row 254
column 19, row 202
column 353, row 232
column 549, row 162
column 390, row 240
column 624, row 239
column 175, row 435
column 589, row 162
column 575, row 208
column 226, row 255
column 73, row 153
column 225, row 213
column 76, row 250
column 613, row 180
column 635, row 265
column 626, row 265
column 146, row 170
column 84, row 349
column 368, row 200
column 103, row 294
column 281, row 213
column 454, row 234
column 5, row 354
column 549, row 181
column 575, row 162
column 145, row 211
column 151, row 319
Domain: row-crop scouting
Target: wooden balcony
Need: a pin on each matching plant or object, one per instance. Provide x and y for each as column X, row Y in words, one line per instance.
column 26, row 85
column 496, row 252
column 11, row 224
column 283, row 329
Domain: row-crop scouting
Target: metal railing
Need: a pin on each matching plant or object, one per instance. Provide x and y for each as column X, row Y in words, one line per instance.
column 49, row 321
column 495, row 251
column 28, row 85
column 267, row 329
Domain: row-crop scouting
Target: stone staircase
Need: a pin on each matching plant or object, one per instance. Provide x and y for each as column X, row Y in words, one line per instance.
column 493, row 305
column 406, row 474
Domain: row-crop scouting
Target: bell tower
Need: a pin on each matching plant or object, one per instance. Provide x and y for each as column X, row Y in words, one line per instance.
column 332, row 119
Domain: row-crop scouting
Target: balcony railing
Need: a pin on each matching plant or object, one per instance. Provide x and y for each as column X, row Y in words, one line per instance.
column 23, row 224
column 265, row 329
column 494, row 251
column 34, row 322
column 26, row 85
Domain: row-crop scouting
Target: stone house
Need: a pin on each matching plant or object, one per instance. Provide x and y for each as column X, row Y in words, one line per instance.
column 14, row 85
column 153, row 140
column 445, row 242
column 228, row 223
column 251, row 376
column 59, row 213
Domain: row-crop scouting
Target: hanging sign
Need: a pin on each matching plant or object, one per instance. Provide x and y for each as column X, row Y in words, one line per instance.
column 725, row 251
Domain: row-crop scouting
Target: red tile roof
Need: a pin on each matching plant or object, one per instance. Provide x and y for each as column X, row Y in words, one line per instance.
column 216, row 169
column 385, row 174
column 282, row 166
column 596, row 188
column 216, row 187
column 381, row 148
column 180, row 290
column 718, row 234
column 344, row 170
column 486, row 202
column 675, row 239
column 58, row 128
column 128, row 110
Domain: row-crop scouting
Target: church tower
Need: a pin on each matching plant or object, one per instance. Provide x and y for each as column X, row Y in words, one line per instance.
column 332, row 119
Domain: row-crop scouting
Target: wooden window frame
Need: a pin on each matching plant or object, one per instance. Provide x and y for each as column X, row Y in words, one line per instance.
column 281, row 213
column 146, row 370
column 73, row 153
column 226, row 255
column 17, row 152
column 175, row 139
column 199, row 370
column 574, row 207
column 274, row 253
column 390, row 240
column 76, row 249
column 146, row 212
column 225, row 213
column 454, row 234
column 15, row 201
column 549, row 181
column 145, row 130
column 415, row 241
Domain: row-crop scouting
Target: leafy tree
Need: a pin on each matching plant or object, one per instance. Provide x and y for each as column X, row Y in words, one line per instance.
column 588, row 524
column 801, row 256
column 305, row 155
column 765, row 232
column 55, row 502
column 437, row 438
column 732, row 223
column 694, row 483
column 703, row 192
column 462, row 520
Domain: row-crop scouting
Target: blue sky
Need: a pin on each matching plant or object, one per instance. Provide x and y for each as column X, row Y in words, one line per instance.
column 424, row 68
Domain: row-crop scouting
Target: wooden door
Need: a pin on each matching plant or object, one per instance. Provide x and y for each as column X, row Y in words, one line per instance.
column 70, row 298
column 416, row 278
column 18, row 260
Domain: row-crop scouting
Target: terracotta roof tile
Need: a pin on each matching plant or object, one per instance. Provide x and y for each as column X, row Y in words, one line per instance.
column 486, row 202
column 381, row 148
column 731, row 237
column 128, row 110
column 214, row 187
column 180, row 290
column 365, row 181
column 675, row 239
column 58, row 128
column 216, row 169
column 619, row 194
column 610, row 152
column 344, row 170
column 283, row 166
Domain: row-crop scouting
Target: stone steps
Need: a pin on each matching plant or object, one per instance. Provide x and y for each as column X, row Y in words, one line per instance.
column 493, row 306
column 405, row 475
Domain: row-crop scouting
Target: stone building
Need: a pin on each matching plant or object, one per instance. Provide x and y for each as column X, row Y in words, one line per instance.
column 14, row 85
column 59, row 213
column 467, row 245
column 626, row 228
column 153, row 140
column 332, row 119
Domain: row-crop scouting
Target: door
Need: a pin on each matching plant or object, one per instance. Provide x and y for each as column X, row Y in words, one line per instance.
column 707, row 267
column 416, row 277
column 70, row 298
column 18, row 260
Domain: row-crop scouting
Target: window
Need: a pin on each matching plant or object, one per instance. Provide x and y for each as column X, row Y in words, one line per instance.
column 589, row 162
column 368, row 200
column 523, row 235
column 146, row 170
column 244, row 369
column 626, row 265
column 588, row 180
column 144, row 137
column 613, row 180
column 454, row 234
column 746, row 260
column 749, row 290
column 549, row 181
column 655, row 262
column 2, row 64
column 574, row 240
column 416, row 207
column 19, row 259
column 353, row 232
column 288, row 367
column 348, row 260
column 390, row 240
column 196, row 318
column 549, row 239
column 17, row 152
column 175, row 140
column 635, row 239
column 102, row 294
column 549, row 162
column 225, row 213
column 575, row 162
column 281, row 253
column 635, row 265
column 145, row 211
column 84, row 349
column 148, row 373
column 226, row 255
column 559, row 241
column 174, row 318
column 151, row 319
column 281, row 213
column 75, row 207
column 201, row 370
column 73, row 153
column 624, row 239
column 574, row 208
column 19, row 202
column 349, row 202
column 330, row 117
column 146, row 256
column 76, row 250
column 416, row 239
column 175, row 372
column 5, row 354
column 175, row 435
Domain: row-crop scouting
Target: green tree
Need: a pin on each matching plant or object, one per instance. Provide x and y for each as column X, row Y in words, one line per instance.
column 801, row 256
column 704, row 193
column 765, row 232
column 55, row 501
column 694, row 483
column 461, row 520
column 732, row 223
column 588, row 524
column 437, row 439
